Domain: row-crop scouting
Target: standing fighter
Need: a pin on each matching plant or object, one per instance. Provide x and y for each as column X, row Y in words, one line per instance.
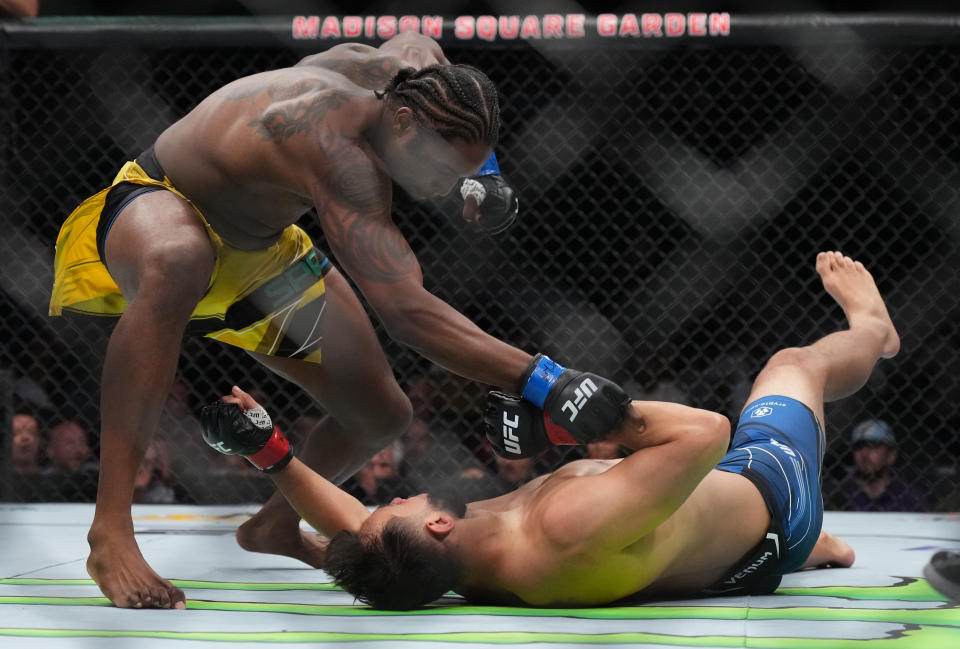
column 665, row 520
column 197, row 234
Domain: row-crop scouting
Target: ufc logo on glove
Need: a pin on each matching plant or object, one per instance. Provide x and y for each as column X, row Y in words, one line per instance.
column 580, row 396
column 510, row 440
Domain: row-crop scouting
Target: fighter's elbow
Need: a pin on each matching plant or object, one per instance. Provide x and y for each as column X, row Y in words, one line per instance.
column 399, row 321
column 716, row 433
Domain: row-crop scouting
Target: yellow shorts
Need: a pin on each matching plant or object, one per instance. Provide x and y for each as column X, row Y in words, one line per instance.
column 268, row 301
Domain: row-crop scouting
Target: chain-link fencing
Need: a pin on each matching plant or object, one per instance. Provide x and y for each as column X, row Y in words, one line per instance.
column 673, row 199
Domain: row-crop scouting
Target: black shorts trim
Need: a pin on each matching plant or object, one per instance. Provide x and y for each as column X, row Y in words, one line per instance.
column 757, row 572
column 121, row 194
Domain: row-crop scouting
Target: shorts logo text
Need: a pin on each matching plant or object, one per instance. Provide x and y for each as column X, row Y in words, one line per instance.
column 753, row 567
column 783, row 447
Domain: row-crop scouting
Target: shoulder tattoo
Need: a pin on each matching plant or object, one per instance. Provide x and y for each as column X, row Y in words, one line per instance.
column 282, row 121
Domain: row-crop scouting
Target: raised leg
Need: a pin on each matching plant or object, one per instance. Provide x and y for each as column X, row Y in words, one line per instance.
column 840, row 363
column 366, row 411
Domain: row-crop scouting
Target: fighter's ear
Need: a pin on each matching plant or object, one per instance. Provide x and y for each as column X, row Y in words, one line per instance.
column 403, row 122
column 440, row 524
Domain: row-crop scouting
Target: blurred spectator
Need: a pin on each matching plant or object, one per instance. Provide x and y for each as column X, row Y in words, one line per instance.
column 25, row 450
column 189, row 459
column 514, row 473
column 18, row 8
column 153, row 481
column 379, row 481
column 475, row 483
column 431, row 448
column 73, row 473
column 873, row 483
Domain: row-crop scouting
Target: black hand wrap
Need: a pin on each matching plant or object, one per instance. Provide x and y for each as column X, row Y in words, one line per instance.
column 497, row 202
column 229, row 430
column 583, row 404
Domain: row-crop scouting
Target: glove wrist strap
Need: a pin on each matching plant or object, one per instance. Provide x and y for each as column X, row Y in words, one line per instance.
column 490, row 166
column 274, row 455
column 540, row 379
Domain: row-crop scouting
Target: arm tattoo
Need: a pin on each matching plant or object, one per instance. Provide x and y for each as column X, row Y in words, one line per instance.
column 286, row 119
column 353, row 206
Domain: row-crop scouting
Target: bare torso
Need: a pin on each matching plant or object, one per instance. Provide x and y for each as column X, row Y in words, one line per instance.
column 248, row 155
column 721, row 520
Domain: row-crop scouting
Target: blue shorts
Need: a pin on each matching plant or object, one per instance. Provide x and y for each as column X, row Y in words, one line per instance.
column 778, row 445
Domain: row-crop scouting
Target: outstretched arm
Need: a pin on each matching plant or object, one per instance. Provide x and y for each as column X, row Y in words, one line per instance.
column 325, row 506
column 237, row 425
column 353, row 196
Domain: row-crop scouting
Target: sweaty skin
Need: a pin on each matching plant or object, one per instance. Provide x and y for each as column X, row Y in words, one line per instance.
column 254, row 157
column 660, row 521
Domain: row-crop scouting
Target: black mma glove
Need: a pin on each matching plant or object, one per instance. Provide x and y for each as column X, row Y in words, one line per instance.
column 231, row 431
column 497, row 202
column 517, row 429
column 585, row 404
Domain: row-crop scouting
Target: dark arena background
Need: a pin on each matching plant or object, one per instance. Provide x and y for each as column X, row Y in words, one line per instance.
column 677, row 175
column 674, row 192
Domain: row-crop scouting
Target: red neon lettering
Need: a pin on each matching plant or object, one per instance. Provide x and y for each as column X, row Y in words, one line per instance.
column 352, row 26
column 575, row 25
column 487, row 28
column 553, row 26
column 306, row 27
column 463, row 27
column 530, row 27
column 387, row 26
column 368, row 24
column 652, row 24
column 676, row 24
column 409, row 24
column 697, row 24
column 629, row 25
column 509, row 26
column 720, row 24
column 331, row 28
column 607, row 25
column 433, row 26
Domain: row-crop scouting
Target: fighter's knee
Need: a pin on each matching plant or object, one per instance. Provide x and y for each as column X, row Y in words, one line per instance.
column 791, row 356
column 385, row 421
column 168, row 275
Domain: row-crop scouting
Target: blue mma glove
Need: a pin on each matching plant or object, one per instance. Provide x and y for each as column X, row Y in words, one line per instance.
column 584, row 404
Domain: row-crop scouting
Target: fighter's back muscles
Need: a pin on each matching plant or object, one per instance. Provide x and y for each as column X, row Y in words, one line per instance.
column 676, row 447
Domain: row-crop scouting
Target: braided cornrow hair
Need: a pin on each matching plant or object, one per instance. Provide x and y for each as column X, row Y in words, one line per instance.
column 456, row 101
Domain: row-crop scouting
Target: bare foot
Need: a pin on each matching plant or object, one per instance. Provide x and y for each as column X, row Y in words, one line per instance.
column 281, row 535
column 852, row 286
column 123, row 576
column 830, row 552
